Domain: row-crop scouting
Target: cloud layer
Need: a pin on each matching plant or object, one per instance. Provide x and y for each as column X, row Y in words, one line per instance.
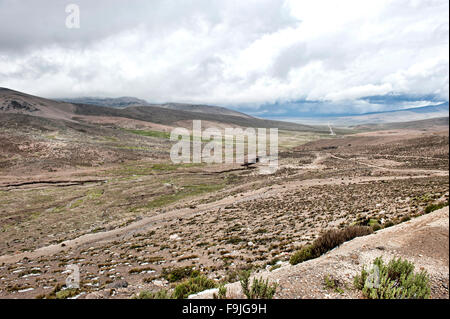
column 237, row 53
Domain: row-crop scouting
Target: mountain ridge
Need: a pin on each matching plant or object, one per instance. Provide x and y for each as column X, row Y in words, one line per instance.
column 23, row 103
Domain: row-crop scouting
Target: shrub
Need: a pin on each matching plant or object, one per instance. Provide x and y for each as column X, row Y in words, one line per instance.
column 432, row 207
column 405, row 218
column 306, row 253
column 222, row 294
column 332, row 283
column 328, row 241
column 161, row 294
column 67, row 293
column 259, row 289
column 376, row 226
column 388, row 224
column 177, row 274
column 192, row 286
column 396, row 280
column 334, row 238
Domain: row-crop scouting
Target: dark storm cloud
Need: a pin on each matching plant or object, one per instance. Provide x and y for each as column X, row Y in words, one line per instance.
column 37, row 23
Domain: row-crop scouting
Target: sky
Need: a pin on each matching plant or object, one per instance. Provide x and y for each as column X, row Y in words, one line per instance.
column 265, row 57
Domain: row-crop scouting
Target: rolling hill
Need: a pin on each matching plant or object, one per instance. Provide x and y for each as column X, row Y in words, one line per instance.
column 169, row 115
column 119, row 102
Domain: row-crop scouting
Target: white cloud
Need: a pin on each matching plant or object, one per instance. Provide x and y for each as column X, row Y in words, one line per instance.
column 228, row 52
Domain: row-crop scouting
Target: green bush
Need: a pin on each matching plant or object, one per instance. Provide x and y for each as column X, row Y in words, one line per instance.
column 177, row 274
column 376, row 227
column 405, row 218
column 334, row 238
column 396, row 280
column 192, row 286
column 328, row 241
column 388, row 224
column 332, row 283
column 259, row 289
column 304, row 254
column 222, row 294
column 67, row 293
column 432, row 207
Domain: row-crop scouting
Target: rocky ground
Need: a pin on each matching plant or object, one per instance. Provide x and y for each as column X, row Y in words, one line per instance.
column 128, row 224
column 423, row 240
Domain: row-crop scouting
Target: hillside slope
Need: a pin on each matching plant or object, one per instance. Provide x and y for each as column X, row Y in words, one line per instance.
column 423, row 240
column 198, row 108
column 17, row 102
column 21, row 103
column 119, row 102
column 421, row 124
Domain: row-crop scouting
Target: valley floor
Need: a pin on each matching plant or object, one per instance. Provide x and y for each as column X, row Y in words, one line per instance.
column 129, row 225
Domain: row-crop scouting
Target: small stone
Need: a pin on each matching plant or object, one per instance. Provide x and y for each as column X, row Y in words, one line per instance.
column 118, row 284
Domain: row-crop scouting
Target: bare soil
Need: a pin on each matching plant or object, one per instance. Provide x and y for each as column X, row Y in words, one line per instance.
column 93, row 194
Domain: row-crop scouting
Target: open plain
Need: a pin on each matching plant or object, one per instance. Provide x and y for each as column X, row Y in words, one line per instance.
column 101, row 193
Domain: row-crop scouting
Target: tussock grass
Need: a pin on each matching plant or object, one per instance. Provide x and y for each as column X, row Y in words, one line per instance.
column 328, row 241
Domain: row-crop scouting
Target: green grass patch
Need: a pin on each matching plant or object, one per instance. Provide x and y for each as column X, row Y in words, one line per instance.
column 149, row 169
column 157, row 134
column 76, row 203
column 161, row 294
column 94, row 194
column 187, row 191
column 67, row 293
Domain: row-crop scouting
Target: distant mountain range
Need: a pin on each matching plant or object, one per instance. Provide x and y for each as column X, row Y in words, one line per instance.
column 169, row 115
column 126, row 101
column 442, row 107
column 175, row 113
column 397, row 116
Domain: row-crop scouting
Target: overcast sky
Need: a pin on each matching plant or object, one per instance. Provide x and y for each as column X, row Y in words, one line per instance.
column 325, row 56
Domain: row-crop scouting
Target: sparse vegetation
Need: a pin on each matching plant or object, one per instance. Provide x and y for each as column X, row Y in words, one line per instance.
column 161, row 294
column 222, row 293
column 67, row 293
column 395, row 280
column 305, row 253
column 333, row 284
column 157, row 134
column 188, row 190
column 192, row 286
column 177, row 274
column 328, row 241
column 258, row 289
column 186, row 227
column 432, row 207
